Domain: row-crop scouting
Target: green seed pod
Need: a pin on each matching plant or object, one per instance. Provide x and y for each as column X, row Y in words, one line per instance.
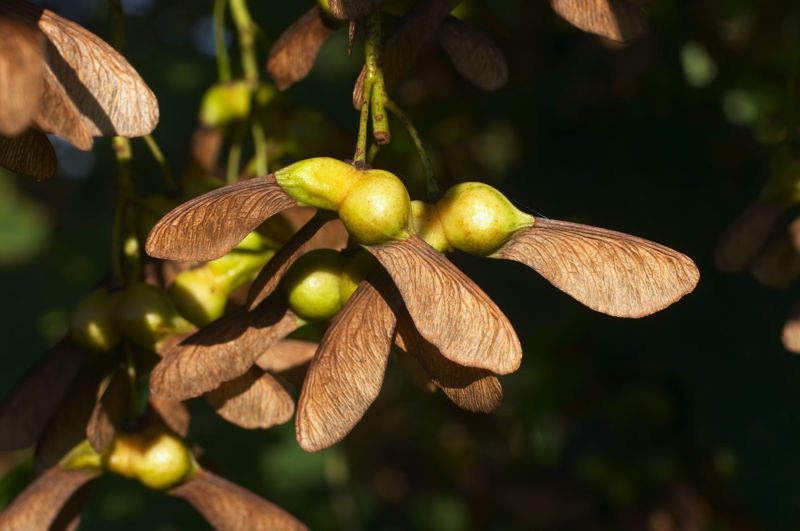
column 377, row 209
column 354, row 271
column 478, row 219
column 201, row 294
column 320, row 182
column 92, row 326
column 428, row 226
column 224, row 103
column 145, row 315
column 155, row 457
column 82, row 457
column 313, row 285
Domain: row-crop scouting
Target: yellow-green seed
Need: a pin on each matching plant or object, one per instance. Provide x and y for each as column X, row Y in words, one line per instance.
column 377, row 209
column 478, row 219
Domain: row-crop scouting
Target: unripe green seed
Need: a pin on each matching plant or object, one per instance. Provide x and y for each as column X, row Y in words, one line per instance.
column 82, row 457
column 145, row 315
column 92, row 325
column 201, row 294
column 354, row 271
column 377, row 209
column 155, row 457
column 320, row 182
column 428, row 226
column 313, row 285
column 478, row 219
column 225, row 102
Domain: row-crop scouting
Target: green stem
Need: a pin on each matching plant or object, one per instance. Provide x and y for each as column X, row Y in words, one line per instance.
column 116, row 243
column 122, row 152
column 247, row 31
column 374, row 50
column 223, row 61
column 130, row 372
column 235, row 154
column 162, row 162
column 432, row 187
column 361, row 143
column 373, row 150
column 260, row 146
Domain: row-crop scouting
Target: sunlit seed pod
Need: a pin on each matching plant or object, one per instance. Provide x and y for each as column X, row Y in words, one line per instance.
column 82, row 457
column 320, row 182
column 156, row 458
column 201, row 294
column 377, row 209
column 313, row 285
column 165, row 461
column 145, row 315
column 224, row 103
column 92, row 326
column 428, row 225
column 478, row 219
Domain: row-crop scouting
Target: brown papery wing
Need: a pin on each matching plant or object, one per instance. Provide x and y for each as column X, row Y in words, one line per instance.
column 474, row 55
column 253, row 400
column 747, row 235
column 229, row 507
column 21, row 67
column 287, row 354
column 29, row 153
column 778, row 264
column 294, row 53
column 617, row 20
column 39, row 505
column 67, row 427
column 26, row 410
column 171, row 412
column 476, row 390
column 210, row 225
column 346, row 374
column 608, row 271
column 105, row 89
column 449, row 309
column 59, row 116
column 220, row 351
column 108, row 411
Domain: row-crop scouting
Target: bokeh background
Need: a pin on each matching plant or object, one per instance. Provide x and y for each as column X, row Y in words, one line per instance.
column 687, row 419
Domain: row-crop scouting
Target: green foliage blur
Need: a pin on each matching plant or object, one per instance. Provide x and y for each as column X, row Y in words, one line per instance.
column 686, row 416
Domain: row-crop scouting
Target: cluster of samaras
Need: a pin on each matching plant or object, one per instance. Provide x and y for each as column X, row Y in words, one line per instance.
column 375, row 280
column 391, row 287
column 57, row 77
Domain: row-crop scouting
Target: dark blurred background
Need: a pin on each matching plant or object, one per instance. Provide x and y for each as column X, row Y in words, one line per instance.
column 683, row 420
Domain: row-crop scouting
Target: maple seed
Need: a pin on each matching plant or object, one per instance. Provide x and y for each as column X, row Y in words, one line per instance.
column 320, row 182
column 91, row 326
column 146, row 316
column 428, row 225
column 354, row 271
column 201, row 294
column 478, row 219
column 313, row 285
column 156, row 458
column 377, row 209
column 224, row 103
